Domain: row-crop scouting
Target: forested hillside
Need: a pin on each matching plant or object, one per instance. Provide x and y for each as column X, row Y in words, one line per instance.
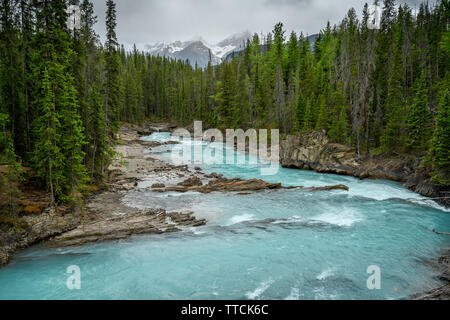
column 63, row 93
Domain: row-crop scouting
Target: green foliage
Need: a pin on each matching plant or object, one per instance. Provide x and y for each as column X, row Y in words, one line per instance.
column 10, row 174
column 419, row 117
column 440, row 143
column 48, row 159
column 63, row 95
column 339, row 129
column 322, row 121
column 300, row 112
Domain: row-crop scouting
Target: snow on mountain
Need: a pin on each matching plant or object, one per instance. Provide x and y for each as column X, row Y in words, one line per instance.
column 197, row 50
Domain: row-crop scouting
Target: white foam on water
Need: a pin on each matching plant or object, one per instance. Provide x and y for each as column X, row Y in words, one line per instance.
column 294, row 295
column 173, row 194
column 320, row 294
column 325, row 274
column 158, row 137
column 381, row 190
column 252, row 295
column 346, row 218
column 429, row 203
column 242, row 218
column 193, row 230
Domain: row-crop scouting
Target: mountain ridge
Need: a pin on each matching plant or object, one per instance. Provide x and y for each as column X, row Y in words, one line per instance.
column 199, row 52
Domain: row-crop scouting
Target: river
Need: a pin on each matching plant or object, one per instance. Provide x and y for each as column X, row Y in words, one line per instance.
column 280, row 244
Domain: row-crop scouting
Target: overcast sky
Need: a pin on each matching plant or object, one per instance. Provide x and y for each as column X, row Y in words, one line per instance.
column 149, row 21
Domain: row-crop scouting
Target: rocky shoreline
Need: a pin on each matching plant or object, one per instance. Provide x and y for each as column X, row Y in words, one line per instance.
column 315, row 152
column 105, row 217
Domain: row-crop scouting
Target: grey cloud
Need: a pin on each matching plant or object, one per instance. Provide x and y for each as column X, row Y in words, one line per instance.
column 150, row 21
column 287, row 2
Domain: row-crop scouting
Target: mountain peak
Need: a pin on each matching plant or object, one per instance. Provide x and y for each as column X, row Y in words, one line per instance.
column 197, row 50
column 237, row 38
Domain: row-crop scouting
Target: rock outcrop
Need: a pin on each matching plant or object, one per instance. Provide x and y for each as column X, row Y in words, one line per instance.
column 219, row 183
column 156, row 221
column 314, row 151
column 39, row 227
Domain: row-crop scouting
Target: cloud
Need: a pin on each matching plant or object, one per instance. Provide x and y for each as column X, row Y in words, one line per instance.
column 144, row 21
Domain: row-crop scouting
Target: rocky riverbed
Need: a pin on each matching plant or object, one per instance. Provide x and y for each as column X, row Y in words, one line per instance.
column 106, row 217
column 109, row 218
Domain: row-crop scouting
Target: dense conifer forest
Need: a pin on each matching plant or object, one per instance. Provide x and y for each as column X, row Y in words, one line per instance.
column 63, row 93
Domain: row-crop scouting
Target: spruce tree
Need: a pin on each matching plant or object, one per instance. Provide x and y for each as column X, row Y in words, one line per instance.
column 300, row 113
column 440, row 143
column 393, row 138
column 418, row 118
column 322, row 121
column 309, row 122
column 73, row 140
column 48, row 159
column 113, row 80
column 10, row 173
column 11, row 65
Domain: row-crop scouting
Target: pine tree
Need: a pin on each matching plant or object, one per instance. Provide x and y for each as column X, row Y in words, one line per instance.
column 339, row 128
column 280, row 99
column 225, row 97
column 10, row 174
column 419, row 117
column 300, row 113
column 101, row 149
column 309, row 122
column 393, row 138
column 113, row 82
column 27, row 23
column 322, row 121
column 293, row 53
column 11, row 99
column 73, row 140
column 48, row 159
column 440, row 143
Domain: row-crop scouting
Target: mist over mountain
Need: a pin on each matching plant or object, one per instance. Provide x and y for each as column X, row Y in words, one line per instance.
column 198, row 51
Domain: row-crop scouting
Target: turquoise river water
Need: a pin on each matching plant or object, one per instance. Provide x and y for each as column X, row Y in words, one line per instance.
column 285, row 244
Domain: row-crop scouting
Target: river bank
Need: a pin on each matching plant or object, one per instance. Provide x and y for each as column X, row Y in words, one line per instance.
column 315, row 152
column 106, row 217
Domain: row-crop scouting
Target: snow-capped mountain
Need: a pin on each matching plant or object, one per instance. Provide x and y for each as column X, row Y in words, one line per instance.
column 198, row 50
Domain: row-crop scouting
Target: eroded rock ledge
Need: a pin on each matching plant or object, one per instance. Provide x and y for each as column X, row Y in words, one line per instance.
column 221, row 184
column 315, row 152
column 111, row 220
column 108, row 218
